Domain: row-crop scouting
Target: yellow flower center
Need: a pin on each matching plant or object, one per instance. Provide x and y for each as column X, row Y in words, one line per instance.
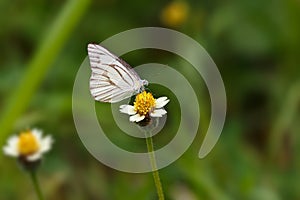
column 144, row 103
column 28, row 143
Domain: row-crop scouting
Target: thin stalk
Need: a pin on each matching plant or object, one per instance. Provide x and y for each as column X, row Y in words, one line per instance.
column 155, row 172
column 284, row 119
column 36, row 185
column 37, row 68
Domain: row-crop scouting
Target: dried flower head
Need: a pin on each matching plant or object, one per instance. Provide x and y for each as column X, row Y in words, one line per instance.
column 175, row 13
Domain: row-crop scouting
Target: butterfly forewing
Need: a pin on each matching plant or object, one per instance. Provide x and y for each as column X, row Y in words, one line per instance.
column 112, row 79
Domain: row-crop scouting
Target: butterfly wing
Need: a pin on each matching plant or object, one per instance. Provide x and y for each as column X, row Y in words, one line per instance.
column 112, row 79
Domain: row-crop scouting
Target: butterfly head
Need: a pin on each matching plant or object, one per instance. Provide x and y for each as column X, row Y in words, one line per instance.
column 144, row 82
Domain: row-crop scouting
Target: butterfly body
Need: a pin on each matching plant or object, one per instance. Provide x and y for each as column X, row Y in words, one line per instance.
column 112, row 79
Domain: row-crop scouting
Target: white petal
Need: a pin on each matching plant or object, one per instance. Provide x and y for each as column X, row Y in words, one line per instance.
column 122, row 106
column 11, row 149
column 161, row 102
column 158, row 113
column 34, row 157
column 136, row 118
column 127, row 109
column 46, row 144
column 13, row 141
column 38, row 134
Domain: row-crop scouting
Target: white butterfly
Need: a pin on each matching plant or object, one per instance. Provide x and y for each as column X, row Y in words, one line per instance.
column 112, row 79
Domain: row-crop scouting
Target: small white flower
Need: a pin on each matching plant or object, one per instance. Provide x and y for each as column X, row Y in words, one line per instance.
column 28, row 144
column 145, row 105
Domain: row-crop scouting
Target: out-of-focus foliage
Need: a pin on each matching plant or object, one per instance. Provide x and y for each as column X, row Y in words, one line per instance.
column 254, row 43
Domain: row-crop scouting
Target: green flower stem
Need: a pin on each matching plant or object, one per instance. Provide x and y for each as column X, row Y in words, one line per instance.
column 154, row 168
column 36, row 185
column 40, row 63
column 284, row 120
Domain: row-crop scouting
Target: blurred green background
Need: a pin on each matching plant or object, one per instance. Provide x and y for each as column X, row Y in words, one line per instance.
column 255, row 44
